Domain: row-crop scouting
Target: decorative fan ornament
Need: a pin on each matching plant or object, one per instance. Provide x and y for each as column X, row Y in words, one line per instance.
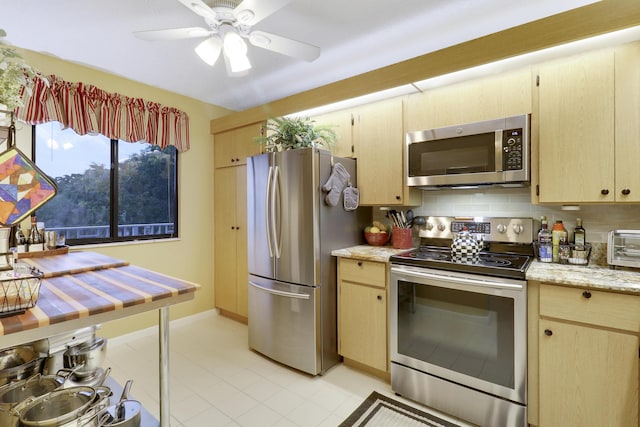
column 229, row 23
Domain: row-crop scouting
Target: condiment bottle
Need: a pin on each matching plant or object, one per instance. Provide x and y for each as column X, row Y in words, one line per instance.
column 557, row 232
column 545, row 245
column 579, row 235
column 20, row 240
column 564, row 250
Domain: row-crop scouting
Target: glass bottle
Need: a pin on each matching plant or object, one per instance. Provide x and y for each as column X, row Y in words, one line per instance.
column 564, row 250
column 545, row 242
column 20, row 240
column 579, row 235
column 35, row 239
column 557, row 232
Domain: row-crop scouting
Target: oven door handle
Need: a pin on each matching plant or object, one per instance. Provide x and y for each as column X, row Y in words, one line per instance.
column 457, row 279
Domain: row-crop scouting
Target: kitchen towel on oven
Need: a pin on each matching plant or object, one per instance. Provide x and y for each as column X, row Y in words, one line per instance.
column 335, row 184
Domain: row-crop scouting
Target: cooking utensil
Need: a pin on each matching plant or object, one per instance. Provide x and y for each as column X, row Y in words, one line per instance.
column 16, row 392
column 126, row 413
column 58, row 407
column 86, row 358
column 410, row 217
column 18, row 363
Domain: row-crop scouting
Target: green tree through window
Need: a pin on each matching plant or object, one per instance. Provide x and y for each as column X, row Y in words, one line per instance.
column 100, row 203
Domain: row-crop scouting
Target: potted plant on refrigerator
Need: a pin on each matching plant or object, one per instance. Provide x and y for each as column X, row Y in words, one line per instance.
column 288, row 133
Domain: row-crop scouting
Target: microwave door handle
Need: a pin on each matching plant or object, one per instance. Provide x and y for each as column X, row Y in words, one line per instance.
column 498, row 150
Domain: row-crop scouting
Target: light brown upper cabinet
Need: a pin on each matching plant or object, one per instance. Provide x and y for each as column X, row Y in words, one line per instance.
column 589, row 123
column 232, row 147
column 341, row 123
column 379, row 135
column 486, row 98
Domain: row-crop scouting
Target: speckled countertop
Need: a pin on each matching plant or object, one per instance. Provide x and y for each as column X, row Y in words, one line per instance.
column 596, row 275
column 368, row 253
column 593, row 276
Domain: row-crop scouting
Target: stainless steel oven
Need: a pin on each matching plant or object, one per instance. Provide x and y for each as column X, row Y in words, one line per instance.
column 458, row 330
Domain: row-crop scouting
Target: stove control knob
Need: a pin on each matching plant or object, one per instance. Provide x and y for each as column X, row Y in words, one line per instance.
column 502, row 228
column 518, row 228
column 429, row 226
column 442, row 227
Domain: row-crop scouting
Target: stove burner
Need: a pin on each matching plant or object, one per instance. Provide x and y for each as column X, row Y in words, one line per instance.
column 430, row 254
column 496, row 261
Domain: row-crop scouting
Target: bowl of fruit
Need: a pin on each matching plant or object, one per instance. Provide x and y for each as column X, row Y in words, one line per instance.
column 377, row 234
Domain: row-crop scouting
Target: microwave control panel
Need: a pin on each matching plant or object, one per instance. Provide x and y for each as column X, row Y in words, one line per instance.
column 512, row 149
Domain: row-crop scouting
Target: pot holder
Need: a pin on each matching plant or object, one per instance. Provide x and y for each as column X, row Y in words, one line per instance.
column 23, row 186
column 351, row 198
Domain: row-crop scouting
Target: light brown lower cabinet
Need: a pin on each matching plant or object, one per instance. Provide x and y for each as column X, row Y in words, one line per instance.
column 583, row 357
column 363, row 314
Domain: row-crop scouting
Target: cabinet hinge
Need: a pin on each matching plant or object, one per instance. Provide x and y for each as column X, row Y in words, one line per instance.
column 537, row 189
column 538, row 80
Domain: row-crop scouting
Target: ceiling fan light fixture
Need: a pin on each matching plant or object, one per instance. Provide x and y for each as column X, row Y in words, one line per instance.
column 209, row 50
column 235, row 49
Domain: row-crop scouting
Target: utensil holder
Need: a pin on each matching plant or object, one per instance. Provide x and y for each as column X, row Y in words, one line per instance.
column 401, row 238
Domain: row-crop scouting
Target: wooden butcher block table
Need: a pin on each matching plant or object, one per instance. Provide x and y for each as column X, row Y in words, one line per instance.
column 82, row 289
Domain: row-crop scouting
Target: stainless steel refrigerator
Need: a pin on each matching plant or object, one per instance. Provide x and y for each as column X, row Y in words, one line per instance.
column 292, row 275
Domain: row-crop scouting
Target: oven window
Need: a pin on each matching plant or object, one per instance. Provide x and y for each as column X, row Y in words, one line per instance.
column 464, row 154
column 470, row 333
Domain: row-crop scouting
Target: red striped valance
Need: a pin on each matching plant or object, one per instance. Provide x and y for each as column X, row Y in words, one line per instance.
column 86, row 108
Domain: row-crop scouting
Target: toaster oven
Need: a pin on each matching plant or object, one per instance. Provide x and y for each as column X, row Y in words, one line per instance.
column 623, row 248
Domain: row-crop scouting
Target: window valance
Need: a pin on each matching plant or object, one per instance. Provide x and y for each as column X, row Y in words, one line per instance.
column 88, row 109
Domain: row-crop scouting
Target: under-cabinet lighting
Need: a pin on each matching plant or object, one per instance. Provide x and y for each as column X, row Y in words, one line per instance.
column 360, row 100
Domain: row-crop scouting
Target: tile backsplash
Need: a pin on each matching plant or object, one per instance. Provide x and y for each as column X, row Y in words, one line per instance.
column 598, row 220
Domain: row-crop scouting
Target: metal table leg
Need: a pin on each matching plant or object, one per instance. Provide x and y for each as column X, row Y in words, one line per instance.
column 164, row 366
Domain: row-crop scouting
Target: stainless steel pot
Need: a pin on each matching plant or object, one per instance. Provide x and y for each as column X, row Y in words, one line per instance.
column 86, row 358
column 126, row 413
column 17, row 363
column 63, row 407
column 14, row 393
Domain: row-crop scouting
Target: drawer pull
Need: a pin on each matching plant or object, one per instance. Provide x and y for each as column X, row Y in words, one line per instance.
column 359, row 263
column 548, row 332
column 586, row 294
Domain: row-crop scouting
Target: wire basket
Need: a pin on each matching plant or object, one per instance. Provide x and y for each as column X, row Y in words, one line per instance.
column 19, row 290
column 574, row 255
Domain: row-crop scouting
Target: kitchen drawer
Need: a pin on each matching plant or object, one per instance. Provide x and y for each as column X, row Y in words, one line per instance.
column 370, row 273
column 606, row 309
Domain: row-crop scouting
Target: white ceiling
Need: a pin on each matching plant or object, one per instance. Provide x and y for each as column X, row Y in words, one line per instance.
column 355, row 36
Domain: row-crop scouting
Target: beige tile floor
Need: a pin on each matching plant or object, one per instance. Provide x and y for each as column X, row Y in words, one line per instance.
column 215, row 380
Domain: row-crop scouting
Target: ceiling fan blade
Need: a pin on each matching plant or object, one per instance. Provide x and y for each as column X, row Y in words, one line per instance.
column 173, row 34
column 250, row 12
column 284, row 45
column 199, row 7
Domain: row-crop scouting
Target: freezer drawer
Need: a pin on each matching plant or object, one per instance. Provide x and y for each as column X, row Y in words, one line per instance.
column 284, row 323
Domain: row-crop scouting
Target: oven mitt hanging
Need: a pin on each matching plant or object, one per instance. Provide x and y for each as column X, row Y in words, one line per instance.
column 335, row 184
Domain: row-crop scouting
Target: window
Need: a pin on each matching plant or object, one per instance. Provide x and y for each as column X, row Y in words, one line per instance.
column 98, row 202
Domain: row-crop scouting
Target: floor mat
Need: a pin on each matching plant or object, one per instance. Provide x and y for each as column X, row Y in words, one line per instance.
column 381, row 411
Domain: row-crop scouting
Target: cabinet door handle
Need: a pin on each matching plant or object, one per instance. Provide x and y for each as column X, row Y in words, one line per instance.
column 379, row 297
column 586, row 294
column 548, row 332
column 398, row 197
column 359, row 263
column 626, row 191
column 604, row 191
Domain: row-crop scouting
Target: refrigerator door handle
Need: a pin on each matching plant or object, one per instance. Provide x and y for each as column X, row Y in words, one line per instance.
column 275, row 219
column 280, row 293
column 268, row 216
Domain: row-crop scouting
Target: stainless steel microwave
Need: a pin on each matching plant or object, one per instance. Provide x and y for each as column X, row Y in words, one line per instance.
column 493, row 152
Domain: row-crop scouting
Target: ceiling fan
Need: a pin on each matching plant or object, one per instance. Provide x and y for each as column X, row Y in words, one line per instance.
column 229, row 22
